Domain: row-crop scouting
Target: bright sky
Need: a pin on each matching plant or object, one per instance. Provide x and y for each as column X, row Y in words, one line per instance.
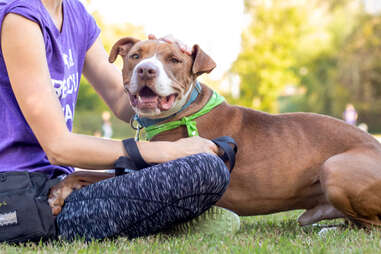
column 373, row 6
column 215, row 25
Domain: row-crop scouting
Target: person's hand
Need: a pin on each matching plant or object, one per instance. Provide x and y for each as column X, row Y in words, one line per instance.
column 194, row 145
column 170, row 39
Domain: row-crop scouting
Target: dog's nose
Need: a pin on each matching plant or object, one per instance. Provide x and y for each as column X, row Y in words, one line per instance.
column 147, row 71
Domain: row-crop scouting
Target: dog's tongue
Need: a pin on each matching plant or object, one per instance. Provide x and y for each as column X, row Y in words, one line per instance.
column 165, row 103
column 147, row 98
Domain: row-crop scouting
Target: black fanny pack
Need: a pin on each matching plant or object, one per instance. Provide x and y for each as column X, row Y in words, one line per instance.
column 25, row 214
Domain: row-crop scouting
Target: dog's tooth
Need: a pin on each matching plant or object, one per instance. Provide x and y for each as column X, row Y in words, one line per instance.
column 139, row 99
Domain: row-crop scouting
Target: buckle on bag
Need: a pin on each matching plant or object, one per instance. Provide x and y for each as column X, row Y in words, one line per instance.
column 3, row 177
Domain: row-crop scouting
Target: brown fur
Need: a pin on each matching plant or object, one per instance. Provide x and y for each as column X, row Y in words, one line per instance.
column 280, row 156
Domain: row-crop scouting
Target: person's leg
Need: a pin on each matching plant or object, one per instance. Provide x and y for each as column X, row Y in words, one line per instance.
column 144, row 202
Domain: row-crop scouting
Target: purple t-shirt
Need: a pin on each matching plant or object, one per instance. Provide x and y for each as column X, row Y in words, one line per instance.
column 65, row 53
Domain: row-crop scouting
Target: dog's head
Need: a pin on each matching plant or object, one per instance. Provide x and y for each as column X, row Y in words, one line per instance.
column 158, row 76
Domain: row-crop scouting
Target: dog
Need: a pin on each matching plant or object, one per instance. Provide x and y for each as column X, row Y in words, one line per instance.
column 285, row 161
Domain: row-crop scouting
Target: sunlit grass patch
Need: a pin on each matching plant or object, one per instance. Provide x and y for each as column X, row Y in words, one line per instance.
column 278, row 233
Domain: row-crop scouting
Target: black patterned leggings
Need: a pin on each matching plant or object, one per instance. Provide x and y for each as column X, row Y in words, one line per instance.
column 145, row 202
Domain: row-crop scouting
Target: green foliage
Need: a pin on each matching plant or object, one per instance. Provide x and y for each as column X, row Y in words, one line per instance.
column 328, row 50
column 320, row 78
column 88, row 99
column 360, row 69
column 321, row 91
column 347, row 69
column 90, row 122
column 266, row 61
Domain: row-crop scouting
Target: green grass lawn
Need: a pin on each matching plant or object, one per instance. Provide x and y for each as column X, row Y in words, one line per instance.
column 277, row 233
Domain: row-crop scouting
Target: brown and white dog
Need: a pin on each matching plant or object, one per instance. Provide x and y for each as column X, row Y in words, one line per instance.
column 285, row 162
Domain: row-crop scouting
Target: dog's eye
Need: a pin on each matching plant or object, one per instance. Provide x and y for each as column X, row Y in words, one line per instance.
column 174, row 60
column 135, row 56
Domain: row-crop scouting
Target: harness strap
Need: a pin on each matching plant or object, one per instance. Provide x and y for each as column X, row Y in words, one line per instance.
column 133, row 152
column 135, row 160
column 229, row 152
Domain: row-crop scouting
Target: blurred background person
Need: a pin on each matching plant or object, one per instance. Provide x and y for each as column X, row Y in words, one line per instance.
column 350, row 114
column 106, row 125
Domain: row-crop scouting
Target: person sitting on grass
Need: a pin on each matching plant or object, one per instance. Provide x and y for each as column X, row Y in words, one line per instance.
column 45, row 47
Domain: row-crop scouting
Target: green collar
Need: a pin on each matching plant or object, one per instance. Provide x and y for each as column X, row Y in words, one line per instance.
column 188, row 121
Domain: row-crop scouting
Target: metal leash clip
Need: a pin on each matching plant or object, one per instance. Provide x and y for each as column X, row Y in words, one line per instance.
column 137, row 128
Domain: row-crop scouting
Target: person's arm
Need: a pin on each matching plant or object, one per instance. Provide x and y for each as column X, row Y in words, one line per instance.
column 24, row 54
column 107, row 80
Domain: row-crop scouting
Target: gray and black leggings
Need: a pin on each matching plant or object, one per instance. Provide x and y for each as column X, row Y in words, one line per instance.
column 145, row 202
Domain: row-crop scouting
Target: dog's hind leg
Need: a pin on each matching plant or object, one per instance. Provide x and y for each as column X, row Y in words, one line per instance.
column 351, row 182
column 318, row 213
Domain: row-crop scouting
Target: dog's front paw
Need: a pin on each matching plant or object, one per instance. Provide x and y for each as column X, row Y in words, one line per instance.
column 55, row 199
column 59, row 192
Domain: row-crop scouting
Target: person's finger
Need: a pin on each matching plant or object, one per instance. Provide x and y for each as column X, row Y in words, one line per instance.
column 183, row 47
column 169, row 38
column 188, row 50
column 214, row 148
column 152, row 37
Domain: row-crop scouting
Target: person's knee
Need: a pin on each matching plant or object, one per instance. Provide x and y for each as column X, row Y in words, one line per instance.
column 215, row 174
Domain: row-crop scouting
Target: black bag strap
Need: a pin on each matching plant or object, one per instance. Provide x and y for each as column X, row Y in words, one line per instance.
column 229, row 152
column 135, row 160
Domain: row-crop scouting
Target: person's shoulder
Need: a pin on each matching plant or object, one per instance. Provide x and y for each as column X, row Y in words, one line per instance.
column 27, row 8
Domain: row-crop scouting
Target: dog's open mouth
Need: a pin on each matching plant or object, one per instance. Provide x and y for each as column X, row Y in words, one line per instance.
column 146, row 99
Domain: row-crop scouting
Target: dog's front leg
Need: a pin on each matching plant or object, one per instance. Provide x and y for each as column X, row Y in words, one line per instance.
column 59, row 192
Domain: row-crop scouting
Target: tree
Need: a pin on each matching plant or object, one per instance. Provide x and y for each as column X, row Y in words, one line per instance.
column 317, row 59
column 266, row 61
column 360, row 69
column 295, row 43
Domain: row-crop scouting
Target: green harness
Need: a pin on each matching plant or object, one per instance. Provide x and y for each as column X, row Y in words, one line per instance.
column 188, row 121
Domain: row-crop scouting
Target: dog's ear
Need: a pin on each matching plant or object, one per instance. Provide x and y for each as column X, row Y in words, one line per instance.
column 202, row 63
column 121, row 47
